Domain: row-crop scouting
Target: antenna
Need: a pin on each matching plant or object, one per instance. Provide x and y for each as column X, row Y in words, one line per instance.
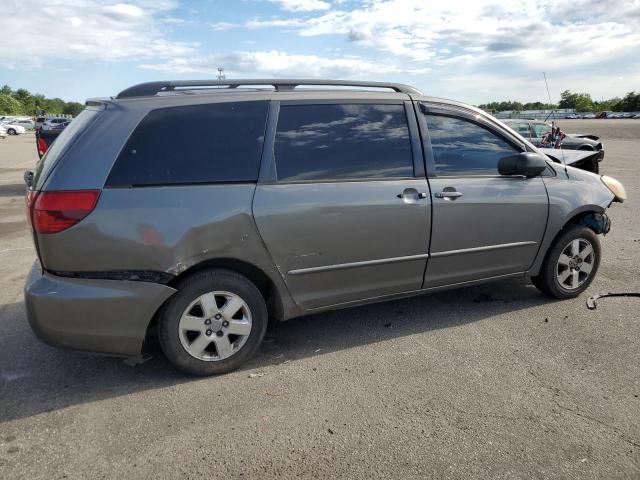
column 221, row 75
column 564, row 162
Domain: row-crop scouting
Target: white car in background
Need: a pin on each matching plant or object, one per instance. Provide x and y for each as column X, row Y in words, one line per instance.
column 27, row 123
column 14, row 128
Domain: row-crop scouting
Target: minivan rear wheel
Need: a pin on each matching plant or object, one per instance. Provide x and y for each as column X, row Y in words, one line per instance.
column 571, row 263
column 213, row 324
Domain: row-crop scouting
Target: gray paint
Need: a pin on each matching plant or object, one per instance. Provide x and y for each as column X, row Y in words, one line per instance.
column 343, row 266
column 103, row 316
column 570, row 195
column 492, row 211
column 167, row 229
column 310, row 225
column 323, row 245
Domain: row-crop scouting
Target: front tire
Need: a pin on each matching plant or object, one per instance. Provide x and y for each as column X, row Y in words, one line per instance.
column 213, row 324
column 571, row 263
column 12, row 131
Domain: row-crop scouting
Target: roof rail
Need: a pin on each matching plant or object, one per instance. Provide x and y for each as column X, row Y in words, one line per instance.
column 152, row 88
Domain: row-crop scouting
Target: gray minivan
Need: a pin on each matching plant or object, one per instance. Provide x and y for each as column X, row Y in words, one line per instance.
column 200, row 209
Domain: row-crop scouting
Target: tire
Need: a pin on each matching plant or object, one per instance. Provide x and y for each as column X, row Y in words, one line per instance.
column 557, row 277
column 12, row 131
column 198, row 330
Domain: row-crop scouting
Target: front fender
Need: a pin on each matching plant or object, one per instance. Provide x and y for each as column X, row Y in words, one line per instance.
column 570, row 197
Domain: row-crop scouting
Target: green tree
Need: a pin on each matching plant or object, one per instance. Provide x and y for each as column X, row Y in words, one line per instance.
column 73, row 108
column 630, row 102
column 9, row 105
column 580, row 101
column 6, row 90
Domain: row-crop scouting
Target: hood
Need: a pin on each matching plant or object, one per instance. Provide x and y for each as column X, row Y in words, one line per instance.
column 570, row 157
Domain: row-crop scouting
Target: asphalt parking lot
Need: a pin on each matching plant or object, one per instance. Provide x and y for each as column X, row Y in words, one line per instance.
column 495, row 381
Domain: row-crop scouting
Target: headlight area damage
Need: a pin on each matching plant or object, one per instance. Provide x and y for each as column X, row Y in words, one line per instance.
column 615, row 187
column 598, row 222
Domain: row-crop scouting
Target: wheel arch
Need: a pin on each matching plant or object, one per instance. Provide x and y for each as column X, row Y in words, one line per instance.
column 588, row 215
column 260, row 279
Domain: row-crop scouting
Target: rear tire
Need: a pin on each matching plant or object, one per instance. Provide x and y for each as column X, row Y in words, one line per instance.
column 571, row 263
column 213, row 324
column 12, row 131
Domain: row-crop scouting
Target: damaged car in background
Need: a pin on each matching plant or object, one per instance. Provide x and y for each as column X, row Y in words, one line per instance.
column 535, row 131
column 581, row 150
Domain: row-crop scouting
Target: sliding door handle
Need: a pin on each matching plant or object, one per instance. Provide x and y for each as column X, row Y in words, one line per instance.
column 448, row 194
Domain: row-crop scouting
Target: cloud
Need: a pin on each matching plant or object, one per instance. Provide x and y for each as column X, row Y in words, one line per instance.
column 221, row 26
column 289, row 22
column 302, row 5
column 91, row 30
column 278, row 64
column 562, row 34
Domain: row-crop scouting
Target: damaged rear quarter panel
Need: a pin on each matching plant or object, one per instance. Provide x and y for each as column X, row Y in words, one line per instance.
column 167, row 229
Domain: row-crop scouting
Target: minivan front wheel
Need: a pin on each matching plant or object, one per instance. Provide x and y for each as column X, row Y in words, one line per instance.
column 571, row 263
column 213, row 324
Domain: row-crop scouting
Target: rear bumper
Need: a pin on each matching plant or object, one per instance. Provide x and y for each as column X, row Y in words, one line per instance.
column 99, row 316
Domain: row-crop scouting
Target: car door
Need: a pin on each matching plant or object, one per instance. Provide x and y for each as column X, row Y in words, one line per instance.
column 484, row 224
column 343, row 204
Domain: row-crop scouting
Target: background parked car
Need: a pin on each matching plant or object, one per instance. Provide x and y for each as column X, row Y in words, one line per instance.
column 28, row 124
column 50, row 123
column 14, row 128
column 534, row 130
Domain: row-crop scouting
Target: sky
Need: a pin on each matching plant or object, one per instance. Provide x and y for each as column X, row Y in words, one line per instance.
column 470, row 50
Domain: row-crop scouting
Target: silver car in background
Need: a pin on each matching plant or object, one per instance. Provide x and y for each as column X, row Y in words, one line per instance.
column 201, row 213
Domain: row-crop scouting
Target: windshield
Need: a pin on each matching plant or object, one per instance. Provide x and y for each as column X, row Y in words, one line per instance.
column 541, row 128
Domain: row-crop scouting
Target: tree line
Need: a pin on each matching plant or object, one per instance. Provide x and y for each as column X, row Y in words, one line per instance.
column 581, row 102
column 23, row 102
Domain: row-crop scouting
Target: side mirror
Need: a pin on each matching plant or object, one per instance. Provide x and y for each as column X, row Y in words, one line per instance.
column 528, row 164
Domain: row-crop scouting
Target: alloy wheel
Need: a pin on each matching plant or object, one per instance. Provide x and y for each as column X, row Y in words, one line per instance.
column 575, row 264
column 215, row 326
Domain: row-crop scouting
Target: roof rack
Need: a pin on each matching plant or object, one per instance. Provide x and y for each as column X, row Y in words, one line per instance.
column 153, row 88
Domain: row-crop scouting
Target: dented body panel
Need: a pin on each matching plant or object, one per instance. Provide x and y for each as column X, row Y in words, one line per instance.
column 165, row 229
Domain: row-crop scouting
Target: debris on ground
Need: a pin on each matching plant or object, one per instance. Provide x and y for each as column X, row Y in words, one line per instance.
column 256, row 375
column 133, row 361
column 591, row 301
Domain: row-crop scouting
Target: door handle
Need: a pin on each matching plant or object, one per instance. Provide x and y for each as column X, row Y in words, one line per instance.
column 411, row 195
column 449, row 194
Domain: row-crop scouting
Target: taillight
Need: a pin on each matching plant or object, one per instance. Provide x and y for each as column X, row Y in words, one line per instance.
column 53, row 212
column 31, row 198
column 42, row 146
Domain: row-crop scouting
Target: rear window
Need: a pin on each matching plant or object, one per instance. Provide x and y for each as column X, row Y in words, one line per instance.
column 85, row 118
column 210, row 143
